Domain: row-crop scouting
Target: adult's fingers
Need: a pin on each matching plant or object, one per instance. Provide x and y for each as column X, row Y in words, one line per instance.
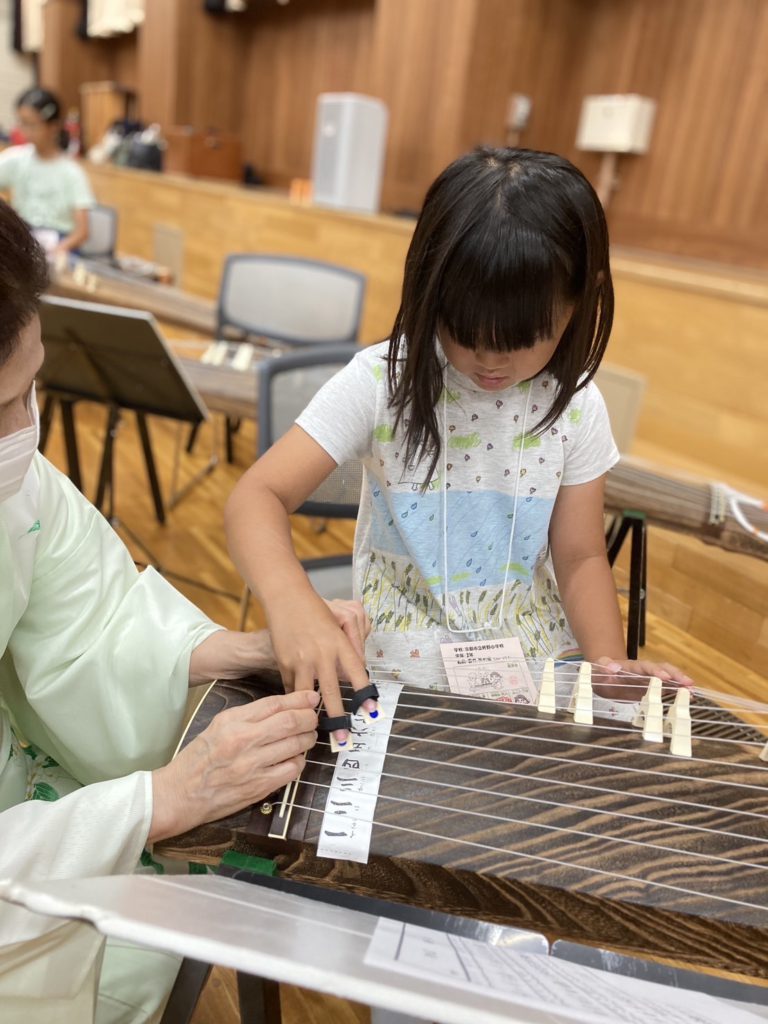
column 278, row 775
column 287, row 749
column 264, row 708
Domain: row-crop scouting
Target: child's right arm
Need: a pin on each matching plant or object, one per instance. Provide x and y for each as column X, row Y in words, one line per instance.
column 308, row 642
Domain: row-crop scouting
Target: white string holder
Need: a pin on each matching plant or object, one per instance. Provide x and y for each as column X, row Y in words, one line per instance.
column 581, row 699
column 678, row 724
column 650, row 715
column 547, row 703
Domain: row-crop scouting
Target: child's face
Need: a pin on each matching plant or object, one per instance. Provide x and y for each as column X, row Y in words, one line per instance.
column 494, row 371
column 39, row 132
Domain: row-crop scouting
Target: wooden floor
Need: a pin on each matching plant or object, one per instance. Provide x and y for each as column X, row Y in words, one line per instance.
column 191, row 550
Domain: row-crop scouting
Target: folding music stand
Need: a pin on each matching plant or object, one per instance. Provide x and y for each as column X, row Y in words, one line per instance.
column 117, row 357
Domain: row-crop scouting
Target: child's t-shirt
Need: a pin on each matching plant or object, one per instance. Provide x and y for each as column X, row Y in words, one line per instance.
column 45, row 193
column 430, row 563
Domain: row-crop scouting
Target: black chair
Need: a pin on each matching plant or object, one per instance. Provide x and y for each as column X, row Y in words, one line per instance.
column 102, row 234
column 286, row 302
column 286, row 385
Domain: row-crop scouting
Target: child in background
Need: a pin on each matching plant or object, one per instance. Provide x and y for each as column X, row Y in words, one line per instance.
column 49, row 190
column 485, row 444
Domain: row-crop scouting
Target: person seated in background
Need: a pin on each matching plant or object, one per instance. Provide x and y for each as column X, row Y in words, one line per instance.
column 48, row 189
column 96, row 660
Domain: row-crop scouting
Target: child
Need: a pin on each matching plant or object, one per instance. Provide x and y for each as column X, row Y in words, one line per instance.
column 49, row 190
column 485, row 444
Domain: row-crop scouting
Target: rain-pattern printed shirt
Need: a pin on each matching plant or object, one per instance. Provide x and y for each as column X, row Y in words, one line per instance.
column 417, row 597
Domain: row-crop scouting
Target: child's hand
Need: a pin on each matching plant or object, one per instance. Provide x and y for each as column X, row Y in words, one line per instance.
column 352, row 618
column 635, row 688
column 318, row 640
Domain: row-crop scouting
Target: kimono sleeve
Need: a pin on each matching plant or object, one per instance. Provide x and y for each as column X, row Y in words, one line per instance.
column 101, row 652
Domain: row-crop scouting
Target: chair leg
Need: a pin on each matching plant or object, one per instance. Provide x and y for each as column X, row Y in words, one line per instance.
column 233, row 425
column 643, row 588
column 617, row 536
column 70, row 441
column 635, row 626
column 259, row 1000
column 185, row 994
column 192, row 437
column 149, row 460
column 46, row 416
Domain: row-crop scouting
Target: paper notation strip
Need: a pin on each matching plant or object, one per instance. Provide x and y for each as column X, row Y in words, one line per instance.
column 345, row 833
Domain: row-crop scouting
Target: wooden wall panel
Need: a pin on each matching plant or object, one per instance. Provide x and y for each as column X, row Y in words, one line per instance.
column 211, row 71
column 66, row 60
column 524, row 46
column 293, row 53
column 218, row 219
column 159, row 48
column 421, row 55
column 700, row 190
column 446, row 68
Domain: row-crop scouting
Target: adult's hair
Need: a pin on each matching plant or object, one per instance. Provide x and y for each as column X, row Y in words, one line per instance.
column 43, row 101
column 507, row 241
column 23, row 278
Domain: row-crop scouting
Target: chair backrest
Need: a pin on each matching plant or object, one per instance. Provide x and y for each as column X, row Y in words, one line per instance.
column 623, row 392
column 286, row 385
column 294, row 301
column 102, row 233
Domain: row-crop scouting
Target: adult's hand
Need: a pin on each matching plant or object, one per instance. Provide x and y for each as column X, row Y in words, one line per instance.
column 245, row 753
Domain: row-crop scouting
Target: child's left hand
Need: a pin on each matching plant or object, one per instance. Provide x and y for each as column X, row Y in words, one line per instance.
column 634, row 689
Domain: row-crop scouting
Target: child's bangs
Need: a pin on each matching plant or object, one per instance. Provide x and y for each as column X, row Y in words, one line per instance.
column 502, row 291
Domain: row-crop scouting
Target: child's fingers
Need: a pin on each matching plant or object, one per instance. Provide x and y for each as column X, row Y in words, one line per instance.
column 354, row 622
column 328, row 680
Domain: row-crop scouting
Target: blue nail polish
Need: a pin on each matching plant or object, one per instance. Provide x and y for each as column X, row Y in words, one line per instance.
column 342, row 743
column 374, row 714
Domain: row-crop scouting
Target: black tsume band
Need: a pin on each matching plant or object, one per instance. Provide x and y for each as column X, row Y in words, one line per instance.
column 326, row 724
column 368, row 692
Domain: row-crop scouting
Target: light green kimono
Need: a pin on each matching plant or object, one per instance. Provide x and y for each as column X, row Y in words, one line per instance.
column 94, row 676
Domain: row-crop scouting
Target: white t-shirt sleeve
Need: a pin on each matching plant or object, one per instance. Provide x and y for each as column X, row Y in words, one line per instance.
column 81, row 195
column 342, row 414
column 591, row 450
column 9, row 164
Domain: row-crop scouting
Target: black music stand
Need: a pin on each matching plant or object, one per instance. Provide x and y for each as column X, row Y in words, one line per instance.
column 117, row 357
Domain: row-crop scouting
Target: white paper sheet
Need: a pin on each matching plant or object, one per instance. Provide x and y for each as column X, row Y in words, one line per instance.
column 490, row 669
column 542, row 983
column 349, row 810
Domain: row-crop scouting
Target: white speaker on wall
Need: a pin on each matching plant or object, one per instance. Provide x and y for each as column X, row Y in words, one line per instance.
column 349, row 150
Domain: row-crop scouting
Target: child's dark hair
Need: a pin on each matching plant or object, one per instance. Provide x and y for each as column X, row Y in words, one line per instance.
column 41, row 100
column 507, row 241
column 23, row 278
column 48, row 107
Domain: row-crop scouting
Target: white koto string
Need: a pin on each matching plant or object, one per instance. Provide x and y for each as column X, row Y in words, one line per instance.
column 603, row 748
column 569, row 670
column 593, row 811
column 602, row 840
column 611, row 727
column 740, row 703
column 545, row 860
column 577, row 761
column 644, row 797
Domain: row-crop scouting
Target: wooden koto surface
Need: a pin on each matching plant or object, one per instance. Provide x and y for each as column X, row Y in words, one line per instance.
column 678, row 501
column 584, row 832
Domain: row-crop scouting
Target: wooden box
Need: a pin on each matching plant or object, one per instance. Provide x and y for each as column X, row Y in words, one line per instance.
column 204, row 154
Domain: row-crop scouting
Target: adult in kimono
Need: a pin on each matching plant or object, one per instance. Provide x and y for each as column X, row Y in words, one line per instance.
column 96, row 661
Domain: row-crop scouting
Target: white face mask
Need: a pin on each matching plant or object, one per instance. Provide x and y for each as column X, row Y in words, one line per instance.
column 17, row 451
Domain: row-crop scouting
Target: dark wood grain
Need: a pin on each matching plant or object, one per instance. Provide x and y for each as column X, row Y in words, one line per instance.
column 585, row 833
